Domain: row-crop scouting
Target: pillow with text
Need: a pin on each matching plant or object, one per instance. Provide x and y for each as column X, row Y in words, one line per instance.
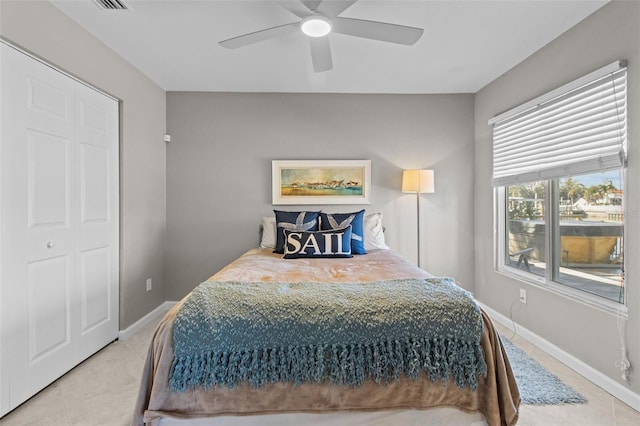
column 332, row 243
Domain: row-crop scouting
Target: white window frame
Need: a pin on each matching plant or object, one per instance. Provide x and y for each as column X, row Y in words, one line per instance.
column 552, row 225
column 547, row 281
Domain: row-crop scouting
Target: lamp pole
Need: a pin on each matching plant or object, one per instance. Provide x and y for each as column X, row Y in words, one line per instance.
column 418, row 214
column 418, row 181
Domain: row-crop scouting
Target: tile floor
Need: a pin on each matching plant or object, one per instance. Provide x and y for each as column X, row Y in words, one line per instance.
column 102, row 391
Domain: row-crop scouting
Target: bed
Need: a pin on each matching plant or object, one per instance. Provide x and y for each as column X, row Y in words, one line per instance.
column 481, row 391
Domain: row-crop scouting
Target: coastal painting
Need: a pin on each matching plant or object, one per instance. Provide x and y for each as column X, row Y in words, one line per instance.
column 321, row 181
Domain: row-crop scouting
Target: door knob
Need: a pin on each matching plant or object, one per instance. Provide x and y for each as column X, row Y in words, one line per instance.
column 50, row 244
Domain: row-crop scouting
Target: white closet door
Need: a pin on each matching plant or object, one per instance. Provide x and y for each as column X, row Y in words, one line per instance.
column 59, row 225
column 38, row 237
column 96, row 134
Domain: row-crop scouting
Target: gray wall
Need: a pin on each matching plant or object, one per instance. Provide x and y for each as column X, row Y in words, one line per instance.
column 589, row 334
column 42, row 29
column 219, row 171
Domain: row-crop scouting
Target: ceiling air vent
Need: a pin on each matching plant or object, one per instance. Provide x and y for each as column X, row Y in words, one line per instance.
column 112, row 4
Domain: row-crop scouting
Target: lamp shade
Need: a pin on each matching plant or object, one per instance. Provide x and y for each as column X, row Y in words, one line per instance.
column 420, row 181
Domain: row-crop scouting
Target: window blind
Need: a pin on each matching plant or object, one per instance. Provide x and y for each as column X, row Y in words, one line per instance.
column 579, row 131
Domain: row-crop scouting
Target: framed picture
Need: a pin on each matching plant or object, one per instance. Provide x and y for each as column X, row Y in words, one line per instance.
column 321, row 181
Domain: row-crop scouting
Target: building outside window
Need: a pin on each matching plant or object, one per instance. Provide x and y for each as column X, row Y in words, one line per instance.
column 559, row 166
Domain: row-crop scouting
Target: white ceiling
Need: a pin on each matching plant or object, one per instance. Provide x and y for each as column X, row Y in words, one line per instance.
column 465, row 45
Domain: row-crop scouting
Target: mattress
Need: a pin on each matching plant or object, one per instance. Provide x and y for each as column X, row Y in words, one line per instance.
column 496, row 397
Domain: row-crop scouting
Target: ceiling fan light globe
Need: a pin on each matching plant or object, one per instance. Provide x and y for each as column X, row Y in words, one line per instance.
column 316, row 26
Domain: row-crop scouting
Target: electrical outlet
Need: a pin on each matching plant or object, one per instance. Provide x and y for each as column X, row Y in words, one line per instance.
column 149, row 284
column 523, row 296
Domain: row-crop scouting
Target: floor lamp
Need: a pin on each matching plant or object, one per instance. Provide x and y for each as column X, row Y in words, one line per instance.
column 418, row 182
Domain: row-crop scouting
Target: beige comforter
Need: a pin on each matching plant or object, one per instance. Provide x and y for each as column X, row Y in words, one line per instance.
column 497, row 396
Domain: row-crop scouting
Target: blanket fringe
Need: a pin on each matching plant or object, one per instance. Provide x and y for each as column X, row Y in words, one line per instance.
column 440, row 359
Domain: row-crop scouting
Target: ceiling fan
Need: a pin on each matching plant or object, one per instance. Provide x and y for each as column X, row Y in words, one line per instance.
column 319, row 18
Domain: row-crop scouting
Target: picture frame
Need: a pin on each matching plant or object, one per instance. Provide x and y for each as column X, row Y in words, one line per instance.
column 321, row 181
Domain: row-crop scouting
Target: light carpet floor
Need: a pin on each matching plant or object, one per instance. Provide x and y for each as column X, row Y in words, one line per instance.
column 102, row 390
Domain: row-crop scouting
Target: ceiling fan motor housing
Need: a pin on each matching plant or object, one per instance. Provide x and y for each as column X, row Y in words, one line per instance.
column 316, row 25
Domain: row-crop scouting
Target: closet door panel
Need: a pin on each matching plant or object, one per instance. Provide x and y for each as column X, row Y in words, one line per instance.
column 49, row 319
column 38, row 275
column 48, row 202
column 94, row 279
column 94, row 182
column 49, row 164
column 97, row 137
column 51, row 345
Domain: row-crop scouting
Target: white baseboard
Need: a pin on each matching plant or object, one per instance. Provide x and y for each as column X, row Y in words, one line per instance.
column 138, row 325
column 616, row 389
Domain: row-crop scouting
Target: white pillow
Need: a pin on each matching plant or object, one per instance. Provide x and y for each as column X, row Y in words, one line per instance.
column 373, row 232
column 268, row 239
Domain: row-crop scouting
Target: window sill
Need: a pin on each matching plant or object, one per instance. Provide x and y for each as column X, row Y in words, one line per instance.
column 592, row 301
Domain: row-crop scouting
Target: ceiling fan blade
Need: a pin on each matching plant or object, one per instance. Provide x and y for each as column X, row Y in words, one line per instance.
column 255, row 37
column 297, row 7
column 320, row 54
column 333, row 8
column 374, row 30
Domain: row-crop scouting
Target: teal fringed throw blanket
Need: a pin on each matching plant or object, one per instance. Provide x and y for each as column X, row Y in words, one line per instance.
column 262, row 332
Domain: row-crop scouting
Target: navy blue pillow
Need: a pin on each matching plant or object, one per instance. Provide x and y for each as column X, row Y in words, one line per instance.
column 333, row 243
column 340, row 220
column 293, row 221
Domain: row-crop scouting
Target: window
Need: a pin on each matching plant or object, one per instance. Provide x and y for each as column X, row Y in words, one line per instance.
column 558, row 173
